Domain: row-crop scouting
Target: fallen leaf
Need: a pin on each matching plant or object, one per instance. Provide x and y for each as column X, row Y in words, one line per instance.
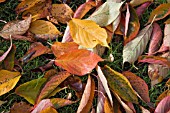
column 132, row 25
column 44, row 104
column 107, row 106
column 116, row 106
column 59, row 48
column 8, row 80
column 162, row 95
column 51, row 85
column 139, row 85
column 79, row 62
column 168, row 83
column 49, row 110
column 121, row 27
column 36, row 49
column 142, row 8
column 154, row 60
column 26, row 4
column 87, row 98
column 163, row 106
column 2, row 1
column 67, row 36
column 137, row 2
column 87, row 33
column 135, row 48
column 160, row 12
column 144, row 110
column 50, row 73
column 120, row 84
column 62, row 12
column 2, row 102
column 60, row 102
column 18, row 27
column 30, row 89
column 166, row 40
column 106, row 13
column 156, row 39
column 20, row 107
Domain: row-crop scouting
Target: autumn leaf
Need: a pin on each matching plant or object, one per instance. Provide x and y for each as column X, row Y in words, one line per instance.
column 62, row 12
column 107, row 106
column 49, row 110
column 156, row 39
column 142, row 8
column 160, row 12
column 135, row 48
column 137, row 2
column 18, row 27
column 21, row 107
column 163, row 106
column 51, row 85
column 132, row 24
column 2, row 1
column 139, row 85
column 120, row 84
column 79, row 62
column 162, row 95
column 87, row 97
column 106, row 13
column 59, row 48
column 87, row 33
column 8, row 80
column 36, row 49
column 30, row 89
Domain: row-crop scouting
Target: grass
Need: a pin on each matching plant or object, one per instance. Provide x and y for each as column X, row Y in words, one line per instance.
column 7, row 13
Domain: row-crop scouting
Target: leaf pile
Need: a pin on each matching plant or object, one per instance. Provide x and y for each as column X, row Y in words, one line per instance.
column 78, row 51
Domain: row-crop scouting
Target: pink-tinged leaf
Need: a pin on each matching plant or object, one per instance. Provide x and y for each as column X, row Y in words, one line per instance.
column 67, row 36
column 132, row 24
column 79, row 62
column 141, row 9
column 166, row 40
column 42, row 106
column 21, row 107
column 139, row 2
column 163, row 106
column 6, row 53
column 138, row 84
column 130, row 105
column 156, row 39
column 51, row 85
column 87, row 98
column 154, row 60
column 59, row 48
column 162, row 95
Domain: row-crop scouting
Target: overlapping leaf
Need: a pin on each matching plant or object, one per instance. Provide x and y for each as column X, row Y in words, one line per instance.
column 163, row 106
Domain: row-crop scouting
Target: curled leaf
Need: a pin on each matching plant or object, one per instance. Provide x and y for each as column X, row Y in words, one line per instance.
column 163, row 106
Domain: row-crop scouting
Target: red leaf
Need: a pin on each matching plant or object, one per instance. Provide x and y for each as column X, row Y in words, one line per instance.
column 163, row 106
column 79, row 62
column 141, row 9
column 156, row 39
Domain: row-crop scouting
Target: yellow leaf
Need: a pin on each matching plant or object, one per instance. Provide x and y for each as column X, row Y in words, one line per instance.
column 8, row 80
column 87, row 33
column 49, row 110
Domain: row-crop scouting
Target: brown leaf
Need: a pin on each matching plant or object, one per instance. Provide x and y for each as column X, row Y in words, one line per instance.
column 163, row 106
column 162, row 95
column 139, row 85
column 59, row 48
column 2, row 1
column 156, row 39
column 87, row 98
column 137, row 2
column 36, row 49
column 62, row 12
column 18, row 27
column 79, row 62
column 20, row 107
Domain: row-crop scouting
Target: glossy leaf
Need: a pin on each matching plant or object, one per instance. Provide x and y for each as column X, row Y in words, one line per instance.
column 59, row 48
column 132, row 25
column 20, row 107
column 137, row 2
column 160, row 12
column 163, row 106
column 30, row 90
column 138, row 84
column 62, row 12
column 87, row 33
column 87, row 98
column 120, row 84
column 8, row 80
column 36, row 49
column 135, row 48
column 156, row 39
column 79, row 62
column 106, row 13
column 49, row 110
column 51, row 85
column 18, row 27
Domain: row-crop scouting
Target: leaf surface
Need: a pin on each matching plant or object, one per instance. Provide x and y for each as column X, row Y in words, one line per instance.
column 79, row 62
column 163, row 106
column 120, row 84
column 87, row 33
column 137, row 2
column 162, row 95
column 135, row 48
column 142, row 8
column 21, row 107
column 30, row 90
column 106, row 13
column 2, row 1
column 49, row 110
column 8, row 80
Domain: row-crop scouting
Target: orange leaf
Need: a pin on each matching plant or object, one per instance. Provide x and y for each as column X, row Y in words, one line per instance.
column 49, row 110
column 2, row 1
column 163, row 95
column 79, row 62
column 59, row 48
column 160, row 12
